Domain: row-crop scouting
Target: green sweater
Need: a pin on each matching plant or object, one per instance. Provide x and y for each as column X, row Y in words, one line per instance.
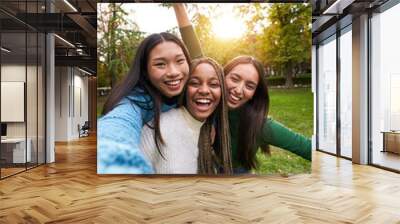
column 273, row 132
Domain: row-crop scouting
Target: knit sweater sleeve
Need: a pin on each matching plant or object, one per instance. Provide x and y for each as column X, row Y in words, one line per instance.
column 276, row 134
column 118, row 141
column 191, row 41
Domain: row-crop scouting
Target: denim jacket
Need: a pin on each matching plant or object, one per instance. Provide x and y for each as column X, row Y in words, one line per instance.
column 119, row 132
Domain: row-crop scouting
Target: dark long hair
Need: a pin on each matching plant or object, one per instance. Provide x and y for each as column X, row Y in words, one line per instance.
column 212, row 157
column 138, row 78
column 252, row 114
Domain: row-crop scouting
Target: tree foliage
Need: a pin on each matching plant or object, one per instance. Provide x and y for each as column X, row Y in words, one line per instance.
column 284, row 39
column 118, row 39
column 288, row 38
column 279, row 35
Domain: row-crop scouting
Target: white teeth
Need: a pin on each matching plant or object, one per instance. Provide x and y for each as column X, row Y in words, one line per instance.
column 173, row 82
column 235, row 98
column 203, row 101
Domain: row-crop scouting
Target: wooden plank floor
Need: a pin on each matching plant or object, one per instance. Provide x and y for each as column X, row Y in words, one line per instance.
column 70, row 191
column 10, row 171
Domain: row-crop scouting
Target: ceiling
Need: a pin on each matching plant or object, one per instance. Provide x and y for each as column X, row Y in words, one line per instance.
column 74, row 22
column 326, row 13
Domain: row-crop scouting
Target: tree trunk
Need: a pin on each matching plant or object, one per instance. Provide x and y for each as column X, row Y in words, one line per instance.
column 112, row 46
column 289, row 76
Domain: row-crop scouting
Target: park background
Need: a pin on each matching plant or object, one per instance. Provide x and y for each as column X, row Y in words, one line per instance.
column 279, row 35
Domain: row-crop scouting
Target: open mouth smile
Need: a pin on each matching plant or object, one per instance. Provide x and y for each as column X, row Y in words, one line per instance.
column 203, row 104
column 173, row 84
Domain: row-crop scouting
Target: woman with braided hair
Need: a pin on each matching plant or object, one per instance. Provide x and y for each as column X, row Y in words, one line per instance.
column 186, row 130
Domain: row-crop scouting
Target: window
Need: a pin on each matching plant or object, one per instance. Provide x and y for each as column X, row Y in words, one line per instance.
column 385, row 87
column 346, row 92
column 327, row 95
column 23, row 76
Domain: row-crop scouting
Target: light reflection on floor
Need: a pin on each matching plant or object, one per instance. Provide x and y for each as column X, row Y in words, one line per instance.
column 386, row 159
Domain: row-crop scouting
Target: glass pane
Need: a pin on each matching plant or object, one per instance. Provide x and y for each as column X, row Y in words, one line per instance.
column 23, row 82
column 13, row 87
column 386, row 89
column 346, row 94
column 41, row 98
column 327, row 96
column 32, row 84
column 31, row 98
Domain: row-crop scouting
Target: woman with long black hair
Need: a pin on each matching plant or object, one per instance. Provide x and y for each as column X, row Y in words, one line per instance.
column 156, row 78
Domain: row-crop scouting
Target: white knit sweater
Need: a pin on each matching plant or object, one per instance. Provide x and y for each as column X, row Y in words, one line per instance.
column 180, row 132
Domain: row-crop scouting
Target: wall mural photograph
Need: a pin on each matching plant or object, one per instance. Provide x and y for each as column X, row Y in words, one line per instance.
column 204, row 89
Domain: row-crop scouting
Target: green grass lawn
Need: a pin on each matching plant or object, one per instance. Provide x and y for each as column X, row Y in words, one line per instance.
column 294, row 109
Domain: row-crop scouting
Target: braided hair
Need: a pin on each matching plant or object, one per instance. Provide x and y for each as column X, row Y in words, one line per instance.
column 214, row 157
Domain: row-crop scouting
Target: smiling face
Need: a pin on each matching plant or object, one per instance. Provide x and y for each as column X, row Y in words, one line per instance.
column 241, row 84
column 168, row 68
column 203, row 92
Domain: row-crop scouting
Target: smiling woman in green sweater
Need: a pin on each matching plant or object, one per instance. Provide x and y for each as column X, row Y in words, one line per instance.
column 248, row 101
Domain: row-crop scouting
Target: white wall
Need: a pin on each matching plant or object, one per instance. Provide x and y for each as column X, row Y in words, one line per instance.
column 17, row 72
column 61, row 103
column 12, row 73
column 33, row 126
column 71, row 94
column 80, row 110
